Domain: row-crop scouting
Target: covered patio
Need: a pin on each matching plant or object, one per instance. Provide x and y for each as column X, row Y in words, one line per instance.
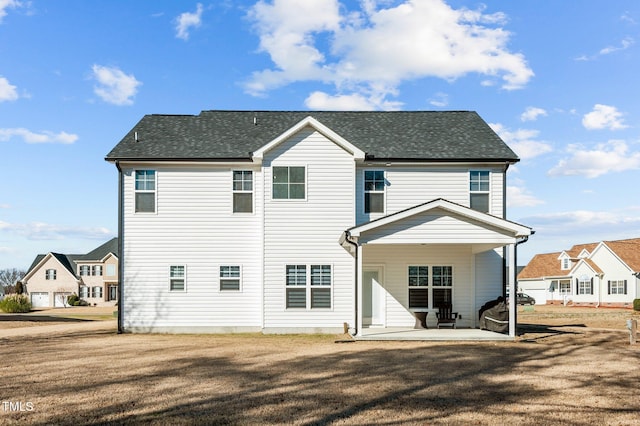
column 423, row 257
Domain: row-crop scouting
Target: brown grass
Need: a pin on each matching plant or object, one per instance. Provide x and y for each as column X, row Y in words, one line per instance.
column 571, row 372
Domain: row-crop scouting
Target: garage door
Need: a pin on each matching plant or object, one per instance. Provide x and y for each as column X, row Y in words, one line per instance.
column 60, row 299
column 40, row 300
column 539, row 295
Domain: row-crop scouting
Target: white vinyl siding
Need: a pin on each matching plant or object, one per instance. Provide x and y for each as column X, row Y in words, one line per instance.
column 306, row 232
column 408, row 186
column 202, row 237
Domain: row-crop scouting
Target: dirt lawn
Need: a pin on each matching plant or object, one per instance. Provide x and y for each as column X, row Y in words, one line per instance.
column 568, row 366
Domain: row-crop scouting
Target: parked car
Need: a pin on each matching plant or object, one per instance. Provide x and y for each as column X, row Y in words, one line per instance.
column 525, row 299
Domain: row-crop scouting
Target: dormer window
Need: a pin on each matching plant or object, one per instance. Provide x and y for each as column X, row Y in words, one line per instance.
column 566, row 263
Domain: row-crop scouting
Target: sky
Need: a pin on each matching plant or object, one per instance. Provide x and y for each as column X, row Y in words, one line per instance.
column 557, row 80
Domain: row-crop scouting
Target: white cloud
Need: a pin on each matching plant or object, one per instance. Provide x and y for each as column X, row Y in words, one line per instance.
column 115, row 87
column 521, row 197
column 8, row 91
column 48, row 231
column 188, row 20
column 351, row 102
column 575, row 221
column 532, row 114
column 603, row 117
column 31, row 137
column 439, row 100
column 522, row 141
column 6, row 4
column 374, row 49
column 613, row 156
column 624, row 44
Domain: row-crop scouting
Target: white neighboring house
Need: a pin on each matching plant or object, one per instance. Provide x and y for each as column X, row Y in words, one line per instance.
column 595, row 274
column 53, row 277
column 281, row 222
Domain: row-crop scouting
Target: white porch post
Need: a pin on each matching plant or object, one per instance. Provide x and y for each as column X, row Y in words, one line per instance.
column 513, row 293
column 359, row 291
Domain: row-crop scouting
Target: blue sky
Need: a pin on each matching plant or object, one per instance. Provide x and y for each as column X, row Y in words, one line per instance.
column 557, row 80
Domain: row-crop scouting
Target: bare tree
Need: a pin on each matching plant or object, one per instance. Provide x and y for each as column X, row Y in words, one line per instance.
column 9, row 277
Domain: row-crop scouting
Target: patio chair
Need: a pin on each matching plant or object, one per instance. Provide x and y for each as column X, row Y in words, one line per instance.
column 446, row 316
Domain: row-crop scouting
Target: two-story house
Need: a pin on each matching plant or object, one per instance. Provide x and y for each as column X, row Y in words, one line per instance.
column 53, row 277
column 295, row 221
column 597, row 274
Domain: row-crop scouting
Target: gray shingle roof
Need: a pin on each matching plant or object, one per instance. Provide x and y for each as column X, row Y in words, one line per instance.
column 400, row 135
column 99, row 253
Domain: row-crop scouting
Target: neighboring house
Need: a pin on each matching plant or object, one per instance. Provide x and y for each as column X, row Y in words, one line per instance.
column 599, row 274
column 304, row 221
column 53, row 277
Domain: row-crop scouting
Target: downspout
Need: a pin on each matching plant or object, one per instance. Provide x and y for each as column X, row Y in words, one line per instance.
column 120, row 247
column 347, row 236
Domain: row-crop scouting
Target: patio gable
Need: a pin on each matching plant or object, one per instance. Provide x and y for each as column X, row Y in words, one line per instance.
column 440, row 222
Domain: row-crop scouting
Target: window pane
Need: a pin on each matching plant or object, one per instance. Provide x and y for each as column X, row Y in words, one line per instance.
column 440, row 296
column 418, row 298
column 296, row 175
column 177, row 284
column 145, row 202
column 480, row 202
column 296, row 297
column 280, row 191
column 321, row 298
column 145, row 180
column 373, row 203
column 229, row 284
column 230, row 271
column 321, row 275
column 243, row 202
column 296, row 191
column 296, row 275
column 281, row 175
column 442, row 276
column 418, row 276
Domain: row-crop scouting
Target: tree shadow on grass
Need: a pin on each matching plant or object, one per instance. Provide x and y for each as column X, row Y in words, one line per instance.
column 161, row 379
column 39, row 318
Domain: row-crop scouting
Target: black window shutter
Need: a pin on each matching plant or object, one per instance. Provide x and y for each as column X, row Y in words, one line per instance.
column 591, row 287
column 577, row 286
column 625, row 286
column 609, row 287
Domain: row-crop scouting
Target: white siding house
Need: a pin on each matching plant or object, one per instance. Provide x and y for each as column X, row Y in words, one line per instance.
column 303, row 221
column 595, row 274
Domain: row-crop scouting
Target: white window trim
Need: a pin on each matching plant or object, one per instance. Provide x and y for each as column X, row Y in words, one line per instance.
column 488, row 192
column 184, row 289
column 619, row 286
column 308, row 287
column 252, row 192
column 306, row 184
column 146, row 191
column 570, row 288
column 383, row 192
column 220, row 278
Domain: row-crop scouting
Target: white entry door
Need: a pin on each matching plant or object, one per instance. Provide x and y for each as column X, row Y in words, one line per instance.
column 373, row 302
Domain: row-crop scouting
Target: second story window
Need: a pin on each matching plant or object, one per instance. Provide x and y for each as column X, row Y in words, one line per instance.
column 289, row 183
column 242, row 191
column 566, row 264
column 96, row 270
column 84, row 270
column 145, row 191
column 111, row 270
column 374, row 191
column 50, row 274
column 479, row 190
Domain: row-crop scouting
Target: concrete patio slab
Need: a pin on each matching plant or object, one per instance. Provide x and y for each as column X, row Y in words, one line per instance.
column 457, row 334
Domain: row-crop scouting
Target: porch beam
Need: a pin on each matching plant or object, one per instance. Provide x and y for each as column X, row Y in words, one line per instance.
column 511, row 282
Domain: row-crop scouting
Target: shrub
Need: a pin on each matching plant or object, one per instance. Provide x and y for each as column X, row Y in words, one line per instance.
column 15, row 303
column 636, row 304
column 72, row 300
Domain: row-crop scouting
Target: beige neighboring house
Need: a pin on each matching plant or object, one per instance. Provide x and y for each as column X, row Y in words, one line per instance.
column 53, row 277
column 595, row 274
